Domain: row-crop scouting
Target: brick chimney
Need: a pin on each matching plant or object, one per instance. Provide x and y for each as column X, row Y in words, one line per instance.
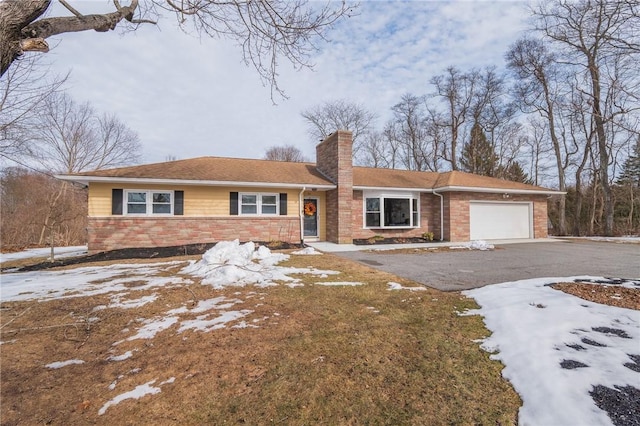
column 334, row 160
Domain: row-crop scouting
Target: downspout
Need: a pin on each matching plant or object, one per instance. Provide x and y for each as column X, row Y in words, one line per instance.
column 301, row 213
column 441, row 214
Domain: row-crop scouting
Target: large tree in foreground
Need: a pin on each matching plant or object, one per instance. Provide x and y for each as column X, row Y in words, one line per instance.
column 601, row 40
column 538, row 89
column 266, row 30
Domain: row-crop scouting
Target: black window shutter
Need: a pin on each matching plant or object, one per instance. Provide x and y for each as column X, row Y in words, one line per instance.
column 178, row 203
column 116, row 201
column 233, row 203
column 283, row 204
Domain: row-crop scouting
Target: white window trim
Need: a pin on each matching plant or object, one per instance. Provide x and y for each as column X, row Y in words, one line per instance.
column 149, row 203
column 389, row 194
column 259, row 196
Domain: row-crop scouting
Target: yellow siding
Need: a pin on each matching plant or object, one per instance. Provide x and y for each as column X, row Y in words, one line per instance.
column 99, row 200
column 207, row 201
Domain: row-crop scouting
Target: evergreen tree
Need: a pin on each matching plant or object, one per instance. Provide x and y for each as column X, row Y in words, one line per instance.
column 478, row 155
column 515, row 173
column 630, row 174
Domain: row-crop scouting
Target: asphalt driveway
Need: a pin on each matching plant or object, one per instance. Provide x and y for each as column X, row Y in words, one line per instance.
column 466, row 269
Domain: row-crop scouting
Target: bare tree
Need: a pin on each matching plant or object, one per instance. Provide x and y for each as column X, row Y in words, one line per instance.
column 285, row 153
column 537, row 90
column 339, row 114
column 266, row 30
column 467, row 99
column 376, row 151
column 537, row 149
column 408, row 129
column 595, row 35
column 73, row 138
column 36, row 209
column 23, row 90
column 456, row 90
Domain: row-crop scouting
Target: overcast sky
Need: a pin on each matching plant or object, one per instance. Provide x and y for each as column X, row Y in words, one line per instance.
column 187, row 97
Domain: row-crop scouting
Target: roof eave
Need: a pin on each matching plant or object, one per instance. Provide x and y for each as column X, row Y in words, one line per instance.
column 189, row 182
column 497, row 190
column 389, row 188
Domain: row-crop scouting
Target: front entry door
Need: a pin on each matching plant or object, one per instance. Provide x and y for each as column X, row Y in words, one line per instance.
column 310, row 212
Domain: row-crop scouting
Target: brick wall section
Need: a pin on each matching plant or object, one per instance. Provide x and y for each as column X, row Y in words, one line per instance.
column 334, row 160
column 457, row 222
column 429, row 219
column 109, row 233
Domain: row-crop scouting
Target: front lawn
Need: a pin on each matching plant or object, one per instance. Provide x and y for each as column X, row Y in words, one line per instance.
column 149, row 343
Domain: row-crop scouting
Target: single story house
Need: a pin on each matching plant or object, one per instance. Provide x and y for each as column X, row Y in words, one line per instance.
column 211, row 199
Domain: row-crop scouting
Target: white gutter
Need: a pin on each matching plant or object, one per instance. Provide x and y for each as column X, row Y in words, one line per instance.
column 441, row 214
column 301, row 214
column 189, row 182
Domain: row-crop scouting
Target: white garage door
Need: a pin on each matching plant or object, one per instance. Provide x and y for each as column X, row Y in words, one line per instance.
column 495, row 221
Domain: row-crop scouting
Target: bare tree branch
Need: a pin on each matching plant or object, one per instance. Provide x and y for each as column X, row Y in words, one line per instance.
column 340, row 114
column 73, row 138
column 265, row 30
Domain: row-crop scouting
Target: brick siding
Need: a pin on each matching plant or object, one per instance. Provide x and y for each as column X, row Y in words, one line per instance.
column 429, row 219
column 456, row 223
column 334, row 160
column 109, row 233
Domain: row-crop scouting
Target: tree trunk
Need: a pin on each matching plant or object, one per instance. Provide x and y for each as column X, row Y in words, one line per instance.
column 594, row 202
column 577, row 226
column 631, row 207
column 562, row 217
column 14, row 16
column 454, row 141
column 52, row 244
column 602, row 147
column 577, row 221
column 20, row 32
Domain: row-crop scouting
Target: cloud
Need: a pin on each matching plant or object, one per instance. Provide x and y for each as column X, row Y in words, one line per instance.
column 188, row 97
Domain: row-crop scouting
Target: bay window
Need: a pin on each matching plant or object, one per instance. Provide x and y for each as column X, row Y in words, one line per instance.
column 391, row 210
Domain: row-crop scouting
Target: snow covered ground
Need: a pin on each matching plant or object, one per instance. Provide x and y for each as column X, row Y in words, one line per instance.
column 58, row 252
column 631, row 239
column 560, row 352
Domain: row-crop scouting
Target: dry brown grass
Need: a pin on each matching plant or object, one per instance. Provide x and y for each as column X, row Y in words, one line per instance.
column 608, row 295
column 321, row 355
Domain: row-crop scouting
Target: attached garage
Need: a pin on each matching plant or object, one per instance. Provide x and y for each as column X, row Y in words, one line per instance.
column 500, row 220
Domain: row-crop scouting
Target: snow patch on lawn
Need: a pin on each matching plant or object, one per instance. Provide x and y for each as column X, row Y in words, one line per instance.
column 557, row 348
column 58, row 253
column 307, row 251
column 138, row 392
column 340, row 283
column 60, row 364
column 204, row 324
column 126, row 355
column 151, row 327
column 117, row 302
column 397, row 286
column 85, row 281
